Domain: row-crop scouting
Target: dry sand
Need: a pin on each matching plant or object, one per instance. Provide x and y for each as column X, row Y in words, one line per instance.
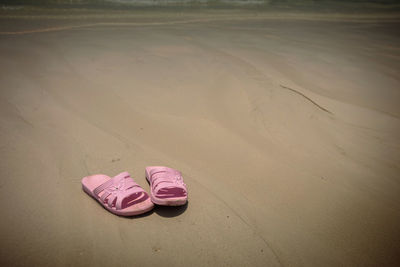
column 286, row 131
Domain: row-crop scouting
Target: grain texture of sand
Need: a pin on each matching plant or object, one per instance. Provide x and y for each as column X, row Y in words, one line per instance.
column 286, row 131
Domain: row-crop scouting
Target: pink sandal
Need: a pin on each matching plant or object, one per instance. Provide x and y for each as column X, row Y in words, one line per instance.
column 167, row 187
column 120, row 195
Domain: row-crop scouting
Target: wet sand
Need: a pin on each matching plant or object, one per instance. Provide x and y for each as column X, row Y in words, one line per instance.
column 286, row 130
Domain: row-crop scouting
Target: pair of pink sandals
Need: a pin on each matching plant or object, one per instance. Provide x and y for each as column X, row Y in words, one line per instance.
column 122, row 196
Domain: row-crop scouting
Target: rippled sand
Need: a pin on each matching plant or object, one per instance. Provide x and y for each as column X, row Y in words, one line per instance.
column 285, row 126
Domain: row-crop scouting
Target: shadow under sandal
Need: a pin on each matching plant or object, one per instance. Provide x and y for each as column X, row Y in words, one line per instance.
column 119, row 195
column 166, row 185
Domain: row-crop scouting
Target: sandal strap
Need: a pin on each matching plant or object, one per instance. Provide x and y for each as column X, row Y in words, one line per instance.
column 117, row 189
column 166, row 177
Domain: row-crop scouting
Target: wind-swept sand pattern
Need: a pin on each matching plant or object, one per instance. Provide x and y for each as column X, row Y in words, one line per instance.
column 286, row 131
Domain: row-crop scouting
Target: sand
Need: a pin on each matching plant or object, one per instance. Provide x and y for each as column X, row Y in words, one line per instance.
column 286, row 130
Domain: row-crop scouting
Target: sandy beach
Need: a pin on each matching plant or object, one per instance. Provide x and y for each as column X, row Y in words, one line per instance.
column 285, row 126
